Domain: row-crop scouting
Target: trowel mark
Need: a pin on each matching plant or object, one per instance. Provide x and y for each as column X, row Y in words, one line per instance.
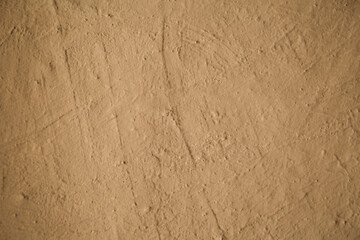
column 10, row 33
column 175, row 115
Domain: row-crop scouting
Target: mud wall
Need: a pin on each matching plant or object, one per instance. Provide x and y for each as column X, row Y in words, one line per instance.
column 208, row 119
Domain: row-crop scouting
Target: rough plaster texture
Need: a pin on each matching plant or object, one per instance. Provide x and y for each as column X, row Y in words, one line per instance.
column 180, row 119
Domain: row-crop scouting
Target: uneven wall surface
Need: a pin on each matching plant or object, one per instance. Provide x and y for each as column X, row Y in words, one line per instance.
column 180, row 119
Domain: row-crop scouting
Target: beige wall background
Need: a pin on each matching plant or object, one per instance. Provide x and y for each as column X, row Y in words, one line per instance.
column 180, row 119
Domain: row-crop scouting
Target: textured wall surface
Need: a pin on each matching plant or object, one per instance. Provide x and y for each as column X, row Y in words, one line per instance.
column 180, row 119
